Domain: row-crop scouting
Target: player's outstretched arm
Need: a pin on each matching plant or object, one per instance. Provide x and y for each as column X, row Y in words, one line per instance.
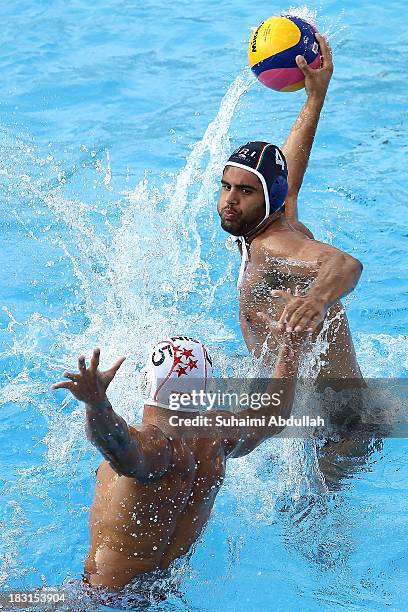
column 299, row 143
column 134, row 452
column 280, row 390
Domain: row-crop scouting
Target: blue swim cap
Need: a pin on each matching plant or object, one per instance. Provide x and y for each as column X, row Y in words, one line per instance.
column 268, row 163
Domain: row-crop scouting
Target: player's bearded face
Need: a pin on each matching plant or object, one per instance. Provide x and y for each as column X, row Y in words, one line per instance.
column 241, row 203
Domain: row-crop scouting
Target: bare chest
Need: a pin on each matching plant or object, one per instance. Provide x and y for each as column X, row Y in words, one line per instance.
column 261, row 280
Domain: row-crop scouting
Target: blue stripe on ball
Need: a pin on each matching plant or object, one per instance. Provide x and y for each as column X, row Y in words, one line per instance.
column 307, row 39
column 286, row 58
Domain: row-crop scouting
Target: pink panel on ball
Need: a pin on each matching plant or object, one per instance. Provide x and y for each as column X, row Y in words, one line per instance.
column 316, row 62
column 278, row 78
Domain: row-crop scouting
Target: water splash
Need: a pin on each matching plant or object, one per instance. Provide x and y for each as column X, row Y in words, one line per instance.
column 127, row 298
column 334, row 30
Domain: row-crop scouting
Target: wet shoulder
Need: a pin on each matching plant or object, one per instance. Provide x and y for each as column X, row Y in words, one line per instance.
column 209, row 454
column 282, row 242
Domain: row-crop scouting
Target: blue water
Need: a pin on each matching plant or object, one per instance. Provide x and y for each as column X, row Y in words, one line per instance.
column 115, row 121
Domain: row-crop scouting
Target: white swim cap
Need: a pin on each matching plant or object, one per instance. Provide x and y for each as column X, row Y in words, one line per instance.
column 176, row 365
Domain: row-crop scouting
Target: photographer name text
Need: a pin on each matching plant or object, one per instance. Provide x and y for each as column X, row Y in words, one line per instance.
column 206, row 420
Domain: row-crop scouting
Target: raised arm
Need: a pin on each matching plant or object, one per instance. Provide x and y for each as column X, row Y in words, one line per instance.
column 134, row 452
column 299, row 143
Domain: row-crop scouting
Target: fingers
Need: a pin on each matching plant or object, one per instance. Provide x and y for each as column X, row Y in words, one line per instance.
column 325, row 51
column 325, row 48
column 112, row 371
column 283, row 319
column 294, row 321
column 109, row 375
column 288, row 313
column 298, row 317
column 302, row 319
column 302, row 64
column 77, row 381
column 63, row 385
column 95, row 359
column 306, row 323
column 81, row 363
column 71, row 375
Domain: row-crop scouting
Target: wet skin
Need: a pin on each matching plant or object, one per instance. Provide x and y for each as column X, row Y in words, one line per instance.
column 281, row 257
column 158, row 483
column 138, row 526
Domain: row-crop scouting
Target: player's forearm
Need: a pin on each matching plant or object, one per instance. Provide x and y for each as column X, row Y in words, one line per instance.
column 286, row 370
column 337, row 277
column 277, row 401
column 297, row 149
column 287, row 363
column 106, row 430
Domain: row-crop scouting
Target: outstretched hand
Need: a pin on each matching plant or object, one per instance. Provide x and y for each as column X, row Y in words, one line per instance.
column 290, row 342
column 90, row 384
column 317, row 80
column 301, row 313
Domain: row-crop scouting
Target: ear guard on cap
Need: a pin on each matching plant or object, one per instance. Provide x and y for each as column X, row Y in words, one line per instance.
column 277, row 194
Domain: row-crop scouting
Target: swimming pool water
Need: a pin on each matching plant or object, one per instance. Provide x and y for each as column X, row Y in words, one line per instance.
column 115, row 120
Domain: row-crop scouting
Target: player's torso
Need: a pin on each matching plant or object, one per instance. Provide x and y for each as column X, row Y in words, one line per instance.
column 272, row 269
column 140, row 526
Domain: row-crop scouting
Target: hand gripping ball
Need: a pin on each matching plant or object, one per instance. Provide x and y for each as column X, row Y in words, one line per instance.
column 273, row 48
